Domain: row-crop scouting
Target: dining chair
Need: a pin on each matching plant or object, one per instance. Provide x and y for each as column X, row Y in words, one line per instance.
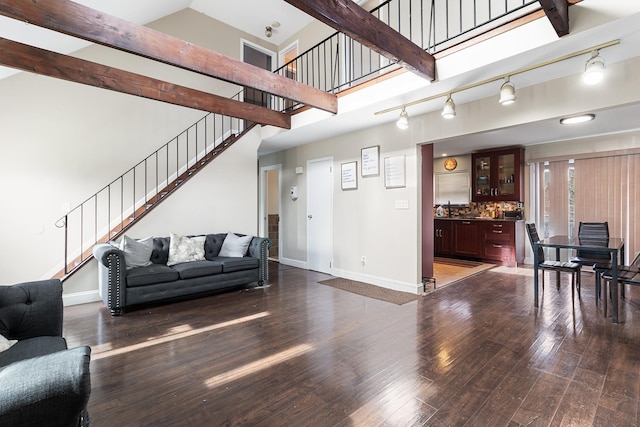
column 627, row 275
column 595, row 233
column 550, row 265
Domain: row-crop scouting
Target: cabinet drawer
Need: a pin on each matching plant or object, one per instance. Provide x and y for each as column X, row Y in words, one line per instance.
column 497, row 235
column 500, row 232
column 498, row 252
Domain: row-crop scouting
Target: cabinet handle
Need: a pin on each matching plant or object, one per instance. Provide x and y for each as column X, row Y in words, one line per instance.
column 497, row 231
column 466, row 222
column 497, row 246
column 497, row 225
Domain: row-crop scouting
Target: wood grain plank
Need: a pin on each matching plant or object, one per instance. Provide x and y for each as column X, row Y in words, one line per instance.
column 473, row 353
column 76, row 20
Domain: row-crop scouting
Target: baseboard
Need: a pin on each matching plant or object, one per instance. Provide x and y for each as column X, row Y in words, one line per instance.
column 81, row 298
column 379, row 281
column 293, row 263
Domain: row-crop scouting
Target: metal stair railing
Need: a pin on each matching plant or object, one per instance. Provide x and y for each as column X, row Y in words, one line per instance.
column 112, row 210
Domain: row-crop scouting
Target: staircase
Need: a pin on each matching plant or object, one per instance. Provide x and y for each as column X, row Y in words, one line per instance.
column 110, row 212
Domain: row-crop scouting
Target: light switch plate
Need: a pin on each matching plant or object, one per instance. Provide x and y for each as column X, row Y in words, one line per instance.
column 402, row 204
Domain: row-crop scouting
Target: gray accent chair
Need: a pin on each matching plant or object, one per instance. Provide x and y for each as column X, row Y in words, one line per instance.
column 42, row 383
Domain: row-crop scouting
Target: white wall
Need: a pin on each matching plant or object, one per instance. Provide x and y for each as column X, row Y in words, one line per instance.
column 366, row 221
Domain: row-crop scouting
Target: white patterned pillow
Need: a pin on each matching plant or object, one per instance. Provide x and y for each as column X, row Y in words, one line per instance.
column 5, row 344
column 235, row 246
column 185, row 249
column 137, row 253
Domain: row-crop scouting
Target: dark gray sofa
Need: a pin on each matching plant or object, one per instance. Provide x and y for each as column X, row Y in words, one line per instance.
column 42, row 383
column 121, row 287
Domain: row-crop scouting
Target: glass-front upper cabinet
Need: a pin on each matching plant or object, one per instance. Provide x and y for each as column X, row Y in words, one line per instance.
column 497, row 175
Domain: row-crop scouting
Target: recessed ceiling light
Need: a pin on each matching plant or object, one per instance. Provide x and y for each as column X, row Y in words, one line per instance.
column 577, row 119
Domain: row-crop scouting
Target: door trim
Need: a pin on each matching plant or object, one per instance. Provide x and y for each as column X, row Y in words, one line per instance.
column 272, row 54
column 262, row 225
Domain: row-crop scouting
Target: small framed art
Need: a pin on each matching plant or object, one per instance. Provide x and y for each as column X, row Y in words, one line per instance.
column 370, row 158
column 349, row 176
column 394, row 173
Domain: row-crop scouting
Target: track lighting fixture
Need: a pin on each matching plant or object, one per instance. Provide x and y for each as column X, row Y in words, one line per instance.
column 403, row 120
column 449, row 110
column 507, row 93
column 593, row 73
column 594, row 69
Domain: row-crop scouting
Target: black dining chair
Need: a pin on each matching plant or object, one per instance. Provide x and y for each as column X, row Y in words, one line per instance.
column 558, row 266
column 627, row 275
column 595, row 233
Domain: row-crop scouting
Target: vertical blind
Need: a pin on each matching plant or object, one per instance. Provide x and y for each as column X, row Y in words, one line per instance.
column 602, row 189
column 607, row 189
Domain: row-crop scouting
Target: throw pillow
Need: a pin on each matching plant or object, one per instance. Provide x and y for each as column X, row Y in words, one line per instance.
column 185, row 249
column 137, row 253
column 5, row 344
column 235, row 246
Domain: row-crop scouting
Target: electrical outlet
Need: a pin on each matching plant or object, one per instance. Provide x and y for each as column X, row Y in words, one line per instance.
column 363, row 261
column 520, row 205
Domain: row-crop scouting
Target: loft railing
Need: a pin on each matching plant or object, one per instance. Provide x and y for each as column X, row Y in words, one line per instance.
column 107, row 214
column 339, row 62
column 334, row 64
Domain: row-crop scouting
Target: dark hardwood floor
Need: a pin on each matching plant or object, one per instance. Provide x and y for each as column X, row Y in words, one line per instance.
column 475, row 353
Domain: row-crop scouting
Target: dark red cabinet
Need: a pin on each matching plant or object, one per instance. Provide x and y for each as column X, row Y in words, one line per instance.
column 495, row 241
column 442, row 237
column 497, row 176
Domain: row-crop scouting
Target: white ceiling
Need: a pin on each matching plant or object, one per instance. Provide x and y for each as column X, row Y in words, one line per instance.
column 358, row 111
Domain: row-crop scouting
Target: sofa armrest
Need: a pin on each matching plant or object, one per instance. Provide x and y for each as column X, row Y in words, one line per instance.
column 112, row 276
column 31, row 309
column 39, row 390
column 259, row 248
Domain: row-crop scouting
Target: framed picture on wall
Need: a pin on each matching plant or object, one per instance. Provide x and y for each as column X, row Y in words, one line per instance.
column 370, row 158
column 394, row 172
column 349, row 176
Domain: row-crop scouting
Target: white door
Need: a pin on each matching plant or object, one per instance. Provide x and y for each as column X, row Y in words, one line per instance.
column 320, row 215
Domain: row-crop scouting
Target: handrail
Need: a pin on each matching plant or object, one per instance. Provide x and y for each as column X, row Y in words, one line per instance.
column 336, row 63
column 111, row 210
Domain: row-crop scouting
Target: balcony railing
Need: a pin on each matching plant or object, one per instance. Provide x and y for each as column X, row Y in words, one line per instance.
column 339, row 62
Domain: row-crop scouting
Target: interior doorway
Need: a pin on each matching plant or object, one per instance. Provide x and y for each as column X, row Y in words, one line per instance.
column 320, row 215
column 270, row 208
column 263, row 58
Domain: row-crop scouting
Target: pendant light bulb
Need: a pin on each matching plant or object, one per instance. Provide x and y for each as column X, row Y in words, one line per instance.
column 507, row 93
column 403, row 120
column 594, row 69
column 449, row 110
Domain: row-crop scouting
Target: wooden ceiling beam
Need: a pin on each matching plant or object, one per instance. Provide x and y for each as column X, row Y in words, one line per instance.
column 76, row 20
column 349, row 18
column 558, row 13
column 52, row 64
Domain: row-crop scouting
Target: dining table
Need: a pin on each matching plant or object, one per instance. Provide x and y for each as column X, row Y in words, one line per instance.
column 612, row 246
